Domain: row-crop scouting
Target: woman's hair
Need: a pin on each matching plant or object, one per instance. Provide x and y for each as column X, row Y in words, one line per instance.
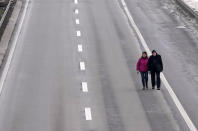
column 144, row 52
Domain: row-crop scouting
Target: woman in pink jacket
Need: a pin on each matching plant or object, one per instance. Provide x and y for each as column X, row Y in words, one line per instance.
column 143, row 69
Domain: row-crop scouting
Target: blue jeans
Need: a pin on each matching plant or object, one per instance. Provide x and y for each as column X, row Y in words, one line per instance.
column 144, row 76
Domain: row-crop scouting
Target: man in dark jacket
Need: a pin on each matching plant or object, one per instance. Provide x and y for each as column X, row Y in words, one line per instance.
column 155, row 66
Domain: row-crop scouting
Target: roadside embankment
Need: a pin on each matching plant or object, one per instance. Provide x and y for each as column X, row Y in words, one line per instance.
column 7, row 25
column 191, row 6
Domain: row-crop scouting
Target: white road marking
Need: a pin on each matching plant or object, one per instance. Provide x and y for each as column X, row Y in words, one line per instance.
column 76, row 11
column 76, row 1
column 181, row 109
column 78, row 33
column 181, row 27
column 84, row 87
column 82, row 66
column 77, row 21
column 88, row 116
column 80, row 48
column 11, row 53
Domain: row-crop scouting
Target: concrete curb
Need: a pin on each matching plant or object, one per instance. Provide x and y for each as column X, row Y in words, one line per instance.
column 187, row 8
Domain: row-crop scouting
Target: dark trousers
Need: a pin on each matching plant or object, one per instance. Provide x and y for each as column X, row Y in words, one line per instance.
column 144, row 76
column 155, row 74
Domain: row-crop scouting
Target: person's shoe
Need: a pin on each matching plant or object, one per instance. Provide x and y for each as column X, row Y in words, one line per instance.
column 143, row 88
column 158, row 88
column 153, row 88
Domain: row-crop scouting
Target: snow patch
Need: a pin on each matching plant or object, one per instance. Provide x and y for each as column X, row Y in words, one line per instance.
column 192, row 4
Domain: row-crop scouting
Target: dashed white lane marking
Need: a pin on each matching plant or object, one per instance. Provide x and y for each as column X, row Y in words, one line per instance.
column 12, row 49
column 82, row 66
column 80, row 48
column 76, row 11
column 181, row 109
column 76, row 1
column 77, row 21
column 78, row 33
column 84, row 87
column 88, row 116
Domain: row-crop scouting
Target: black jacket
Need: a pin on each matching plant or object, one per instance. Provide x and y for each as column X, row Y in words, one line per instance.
column 155, row 63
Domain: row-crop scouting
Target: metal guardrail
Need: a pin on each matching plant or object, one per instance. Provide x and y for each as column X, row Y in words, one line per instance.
column 5, row 12
column 187, row 8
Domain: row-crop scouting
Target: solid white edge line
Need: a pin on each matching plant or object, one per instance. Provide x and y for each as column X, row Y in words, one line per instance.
column 78, row 33
column 77, row 21
column 11, row 53
column 88, row 115
column 80, row 48
column 84, row 87
column 82, row 66
column 178, row 104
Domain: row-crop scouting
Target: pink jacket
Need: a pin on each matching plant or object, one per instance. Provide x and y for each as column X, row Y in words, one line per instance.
column 142, row 65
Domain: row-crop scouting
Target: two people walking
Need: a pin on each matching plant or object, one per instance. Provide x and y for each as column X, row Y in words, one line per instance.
column 154, row 66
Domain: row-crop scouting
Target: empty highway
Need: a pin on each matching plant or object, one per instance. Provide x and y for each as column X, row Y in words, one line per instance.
column 74, row 68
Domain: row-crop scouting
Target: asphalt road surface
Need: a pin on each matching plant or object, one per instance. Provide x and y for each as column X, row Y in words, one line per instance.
column 73, row 69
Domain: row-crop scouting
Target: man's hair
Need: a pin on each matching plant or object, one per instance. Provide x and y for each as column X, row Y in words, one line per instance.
column 154, row 51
